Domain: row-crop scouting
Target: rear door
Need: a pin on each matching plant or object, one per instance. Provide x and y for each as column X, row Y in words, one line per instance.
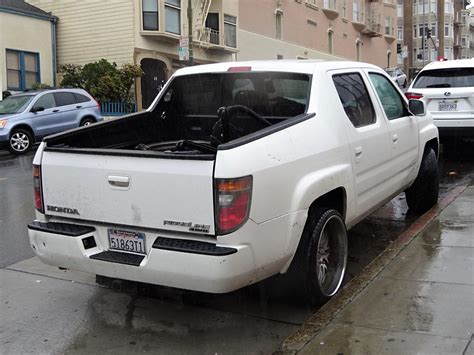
column 369, row 142
column 68, row 110
column 403, row 130
column 143, row 192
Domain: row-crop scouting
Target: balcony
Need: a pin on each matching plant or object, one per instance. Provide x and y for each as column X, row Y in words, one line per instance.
column 330, row 9
column 373, row 26
column 358, row 20
column 215, row 40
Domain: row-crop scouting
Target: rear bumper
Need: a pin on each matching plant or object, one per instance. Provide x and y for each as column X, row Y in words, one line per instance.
column 215, row 269
column 455, row 127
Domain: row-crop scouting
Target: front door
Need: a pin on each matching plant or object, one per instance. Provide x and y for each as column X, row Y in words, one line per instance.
column 152, row 80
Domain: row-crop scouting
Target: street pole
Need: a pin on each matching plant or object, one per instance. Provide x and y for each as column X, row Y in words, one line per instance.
column 190, row 32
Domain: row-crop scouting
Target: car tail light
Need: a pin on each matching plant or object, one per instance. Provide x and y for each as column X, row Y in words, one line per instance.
column 98, row 104
column 37, row 188
column 232, row 203
column 413, row 96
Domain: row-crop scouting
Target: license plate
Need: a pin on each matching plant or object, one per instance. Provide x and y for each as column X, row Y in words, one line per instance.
column 127, row 241
column 448, row 106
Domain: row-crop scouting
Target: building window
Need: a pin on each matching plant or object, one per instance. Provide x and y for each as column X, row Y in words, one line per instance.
column 388, row 26
column 447, row 32
column 357, row 14
column 433, row 6
column 344, row 8
column 173, row 16
column 414, row 7
column 330, row 41
column 414, row 31
column 311, row 2
column 399, row 10
column 230, row 30
column 22, row 70
column 448, row 7
column 400, row 33
column 150, row 15
column 278, row 18
column 330, row 4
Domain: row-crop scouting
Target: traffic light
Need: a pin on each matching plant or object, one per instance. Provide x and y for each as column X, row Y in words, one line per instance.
column 399, row 48
column 428, row 33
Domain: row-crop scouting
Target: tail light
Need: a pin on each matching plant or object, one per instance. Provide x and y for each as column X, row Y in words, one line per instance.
column 37, row 188
column 98, row 104
column 232, row 203
column 413, row 96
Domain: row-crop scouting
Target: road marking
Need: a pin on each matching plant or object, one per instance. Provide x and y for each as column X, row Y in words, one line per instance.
column 3, row 179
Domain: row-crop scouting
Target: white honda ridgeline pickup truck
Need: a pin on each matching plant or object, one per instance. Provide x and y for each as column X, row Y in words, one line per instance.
column 236, row 172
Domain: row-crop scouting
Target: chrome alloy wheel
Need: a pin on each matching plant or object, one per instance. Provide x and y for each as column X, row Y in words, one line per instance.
column 19, row 141
column 331, row 256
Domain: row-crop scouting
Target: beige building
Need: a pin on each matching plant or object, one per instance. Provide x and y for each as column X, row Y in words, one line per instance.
column 148, row 32
column 356, row 30
column 27, row 46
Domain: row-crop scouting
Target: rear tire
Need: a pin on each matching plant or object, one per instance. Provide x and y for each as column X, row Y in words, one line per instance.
column 20, row 141
column 423, row 194
column 321, row 259
column 87, row 121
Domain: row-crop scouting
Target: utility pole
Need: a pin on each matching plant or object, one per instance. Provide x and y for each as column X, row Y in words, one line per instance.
column 190, row 32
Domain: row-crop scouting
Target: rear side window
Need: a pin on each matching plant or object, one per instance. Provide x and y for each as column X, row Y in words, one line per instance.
column 355, row 99
column 81, row 98
column 445, row 78
column 64, row 98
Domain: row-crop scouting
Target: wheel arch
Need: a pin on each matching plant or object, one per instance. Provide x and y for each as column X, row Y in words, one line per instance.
column 26, row 128
column 432, row 144
column 88, row 116
column 333, row 199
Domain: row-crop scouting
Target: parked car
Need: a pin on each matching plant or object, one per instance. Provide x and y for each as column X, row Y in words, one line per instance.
column 398, row 76
column 28, row 117
column 447, row 88
column 236, row 172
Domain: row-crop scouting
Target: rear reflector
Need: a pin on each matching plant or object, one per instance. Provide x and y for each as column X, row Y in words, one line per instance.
column 413, row 96
column 232, row 203
column 239, row 69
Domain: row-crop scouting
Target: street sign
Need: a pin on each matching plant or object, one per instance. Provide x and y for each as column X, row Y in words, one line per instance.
column 404, row 51
column 183, row 50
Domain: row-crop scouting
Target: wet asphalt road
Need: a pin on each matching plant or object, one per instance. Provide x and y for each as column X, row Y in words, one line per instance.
column 136, row 317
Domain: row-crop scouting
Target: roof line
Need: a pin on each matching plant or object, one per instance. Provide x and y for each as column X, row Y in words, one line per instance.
column 26, row 13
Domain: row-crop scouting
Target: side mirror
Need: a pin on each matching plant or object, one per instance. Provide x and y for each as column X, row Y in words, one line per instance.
column 37, row 109
column 417, row 107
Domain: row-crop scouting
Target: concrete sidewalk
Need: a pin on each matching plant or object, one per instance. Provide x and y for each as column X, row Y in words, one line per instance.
column 422, row 302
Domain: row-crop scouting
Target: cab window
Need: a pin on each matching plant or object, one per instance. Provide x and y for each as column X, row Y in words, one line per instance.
column 46, row 101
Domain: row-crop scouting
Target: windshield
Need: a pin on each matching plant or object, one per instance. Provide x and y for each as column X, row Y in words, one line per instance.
column 15, row 104
column 445, row 78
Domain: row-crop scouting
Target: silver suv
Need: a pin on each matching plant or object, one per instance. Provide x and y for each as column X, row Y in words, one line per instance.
column 28, row 117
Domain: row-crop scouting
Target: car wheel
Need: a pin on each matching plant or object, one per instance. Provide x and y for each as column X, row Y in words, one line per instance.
column 87, row 122
column 320, row 263
column 423, row 193
column 20, row 141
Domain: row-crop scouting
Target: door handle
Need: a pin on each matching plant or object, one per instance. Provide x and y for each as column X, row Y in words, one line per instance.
column 55, row 110
column 358, row 151
column 78, row 106
column 395, row 138
column 118, row 181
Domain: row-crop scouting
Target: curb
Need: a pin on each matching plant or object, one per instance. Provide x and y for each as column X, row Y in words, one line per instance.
column 319, row 320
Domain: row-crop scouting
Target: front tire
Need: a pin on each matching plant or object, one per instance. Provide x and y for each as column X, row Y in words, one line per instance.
column 321, row 260
column 423, row 194
column 20, row 141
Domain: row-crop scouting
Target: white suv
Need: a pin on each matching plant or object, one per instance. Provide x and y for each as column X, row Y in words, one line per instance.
column 447, row 88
